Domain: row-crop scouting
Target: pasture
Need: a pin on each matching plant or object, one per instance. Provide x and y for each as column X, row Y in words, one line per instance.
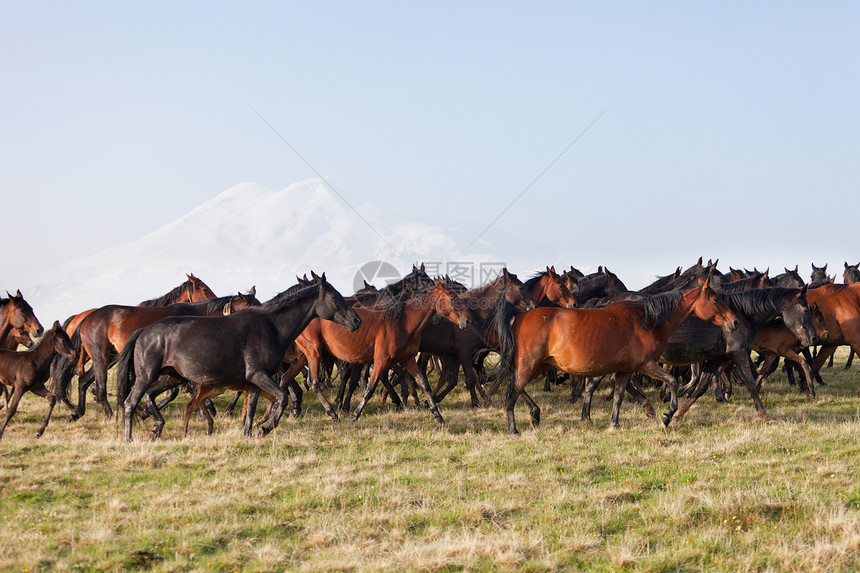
column 722, row 492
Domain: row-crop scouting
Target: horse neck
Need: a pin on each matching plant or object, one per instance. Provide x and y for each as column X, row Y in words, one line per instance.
column 682, row 313
column 416, row 316
column 493, row 293
column 45, row 349
column 286, row 322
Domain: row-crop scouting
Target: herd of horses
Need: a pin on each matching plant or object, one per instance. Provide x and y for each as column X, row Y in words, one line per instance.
column 686, row 331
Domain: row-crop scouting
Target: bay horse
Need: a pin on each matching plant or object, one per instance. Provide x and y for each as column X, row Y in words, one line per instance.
column 548, row 289
column 385, row 338
column 444, row 339
column 242, row 347
column 29, row 370
column 16, row 313
column 840, row 305
column 621, row 338
column 106, row 330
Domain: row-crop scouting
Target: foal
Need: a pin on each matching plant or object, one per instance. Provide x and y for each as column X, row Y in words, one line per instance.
column 30, row 369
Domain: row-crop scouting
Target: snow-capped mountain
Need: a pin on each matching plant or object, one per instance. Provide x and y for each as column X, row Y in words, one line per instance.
column 247, row 235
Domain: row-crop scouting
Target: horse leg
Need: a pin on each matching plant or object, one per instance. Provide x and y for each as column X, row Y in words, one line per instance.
column 296, row 395
column 264, row 383
column 249, row 408
column 100, row 368
column 85, row 380
column 12, row 406
column 637, row 394
column 702, row 383
column 52, row 400
column 587, row 395
column 534, row 409
column 653, row 370
column 411, row 368
column 156, row 416
column 232, row 405
column 315, row 388
column 808, row 387
column 818, row 361
column 741, row 361
column 850, row 360
column 619, row 383
column 470, row 377
column 771, row 361
column 389, row 389
column 577, row 385
column 379, row 368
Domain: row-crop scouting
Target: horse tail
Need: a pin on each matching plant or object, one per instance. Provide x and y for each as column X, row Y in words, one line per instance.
column 125, row 374
column 62, row 367
column 500, row 323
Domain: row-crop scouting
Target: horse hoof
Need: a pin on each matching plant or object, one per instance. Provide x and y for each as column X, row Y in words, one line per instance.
column 439, row 419
column 614, row 427
column 665, row 419
column 72, row 418
column 38, row 434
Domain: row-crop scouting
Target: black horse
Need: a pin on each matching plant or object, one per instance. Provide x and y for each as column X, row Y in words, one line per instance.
column 699, row 341
column 244, row 347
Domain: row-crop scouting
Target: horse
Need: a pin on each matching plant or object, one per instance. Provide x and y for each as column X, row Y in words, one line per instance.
column 191, row 290
column 698, row 341
column 442, row 337
column 819, row 276
column 386, row 338
column 548, row 289
column 16, row 313
column 246, row 346
column 840, row 305
column 105, row 331
column 27, row 371
column 788, row 279
column 620, row 338
column 776, row 339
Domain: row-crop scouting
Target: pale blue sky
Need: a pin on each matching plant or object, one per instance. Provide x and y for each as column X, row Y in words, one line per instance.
column 731, row 129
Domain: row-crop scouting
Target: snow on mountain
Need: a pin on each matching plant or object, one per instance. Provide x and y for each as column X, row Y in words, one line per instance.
column 247, row 235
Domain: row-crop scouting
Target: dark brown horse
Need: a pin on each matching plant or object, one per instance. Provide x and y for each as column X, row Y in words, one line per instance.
column 444, row 339
column 27, row 371
column 621, row 338
column 385, row 338
column 104, row 333
column 16, row 313
column 62, row 370
column 239, row 348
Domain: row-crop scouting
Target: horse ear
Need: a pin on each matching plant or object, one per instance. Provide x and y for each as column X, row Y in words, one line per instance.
column 314, row 276
column 700, row 261
column 322, row 278
column 253, row 291
column 824, row 268
column 803, row 291
column 766, row 272
column 796, row 267
column 56, row 326
column 19, row 295
column 422, row 268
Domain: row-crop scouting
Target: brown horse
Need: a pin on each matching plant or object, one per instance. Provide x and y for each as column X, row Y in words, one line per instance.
column 840, row 305
column 776, row 339
column 620, row 338
column 28, row 371
column 16, row 313
column 548, row 289
column 385, row 338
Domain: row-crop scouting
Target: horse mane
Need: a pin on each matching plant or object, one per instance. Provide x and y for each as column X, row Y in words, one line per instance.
column 168, row 298
column 762, row 304
column 831, row 288
column 657, row 309
column 533, row 280
column 287, row 298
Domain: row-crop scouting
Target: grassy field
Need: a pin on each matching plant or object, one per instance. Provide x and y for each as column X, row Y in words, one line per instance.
column 723, row 492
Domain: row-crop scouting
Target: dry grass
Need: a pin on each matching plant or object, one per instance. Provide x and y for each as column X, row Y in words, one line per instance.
column 395, row 492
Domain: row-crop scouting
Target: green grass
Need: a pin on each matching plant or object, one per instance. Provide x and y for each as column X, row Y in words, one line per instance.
column 723, row 492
